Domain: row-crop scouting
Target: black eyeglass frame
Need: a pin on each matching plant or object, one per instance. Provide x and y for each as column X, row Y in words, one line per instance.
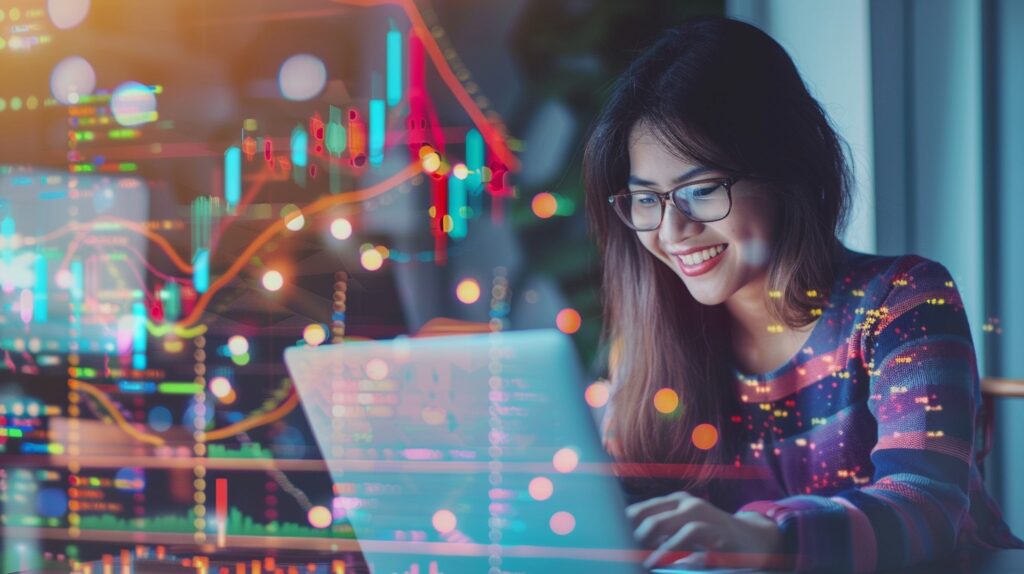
column 664, row 197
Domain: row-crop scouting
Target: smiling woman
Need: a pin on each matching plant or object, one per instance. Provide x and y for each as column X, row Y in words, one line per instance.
column 718, row 190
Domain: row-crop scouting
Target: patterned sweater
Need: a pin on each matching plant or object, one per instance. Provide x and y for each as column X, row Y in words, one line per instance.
column 865, row 439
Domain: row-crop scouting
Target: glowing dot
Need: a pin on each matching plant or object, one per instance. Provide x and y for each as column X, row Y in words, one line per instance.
column 319, row 517
column 220, row 387
column 568, row 321
column 238, row 345
column 541, row 488
column 562, row 523
column 133, row 104
column 314, row 334
column 444, row 521
column 468, row 291
column 565, row 460
column 296, row 221
column 377, row 369
column 341, row 228
column 67, row 13
column 666, row 401
column 597, row 394
column 160, row 418
column 705, row 436
column 460, row 171
column 32, row 102
column 433, row 415
column 15, row 103
column 302, row 77
column 293, row 218
column 273, row 280
column 64, row 278
column 544, row 205
column 371, row 260
column 72, row 78
column 431, row 162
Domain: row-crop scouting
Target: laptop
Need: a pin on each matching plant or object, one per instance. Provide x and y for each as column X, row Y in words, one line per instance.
column 470, row 453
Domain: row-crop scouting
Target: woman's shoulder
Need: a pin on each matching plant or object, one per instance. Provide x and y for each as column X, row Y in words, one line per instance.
column 879, row 278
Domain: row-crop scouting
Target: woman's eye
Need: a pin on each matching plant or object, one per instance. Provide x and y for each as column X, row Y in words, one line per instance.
column 702, row 192
column 645, row 200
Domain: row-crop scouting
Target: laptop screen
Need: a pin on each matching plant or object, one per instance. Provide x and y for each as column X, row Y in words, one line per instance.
column 472, row 451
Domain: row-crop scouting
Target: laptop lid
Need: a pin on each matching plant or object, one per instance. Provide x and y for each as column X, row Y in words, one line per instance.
column 465, row 454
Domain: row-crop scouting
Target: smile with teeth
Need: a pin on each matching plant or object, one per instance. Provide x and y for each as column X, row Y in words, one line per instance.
column 701, row 256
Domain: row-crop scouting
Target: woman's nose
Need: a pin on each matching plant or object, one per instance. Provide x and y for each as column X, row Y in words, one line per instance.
column 675, row 225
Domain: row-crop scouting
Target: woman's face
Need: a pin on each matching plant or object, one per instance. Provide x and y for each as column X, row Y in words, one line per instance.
column 745, row 236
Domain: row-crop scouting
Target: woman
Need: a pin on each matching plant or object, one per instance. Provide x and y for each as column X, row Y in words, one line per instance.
column 814, row 404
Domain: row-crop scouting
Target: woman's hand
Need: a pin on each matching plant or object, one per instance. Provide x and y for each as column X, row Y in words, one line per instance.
column 683, row 522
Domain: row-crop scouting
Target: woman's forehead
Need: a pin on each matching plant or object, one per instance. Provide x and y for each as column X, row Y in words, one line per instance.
column 651, row 161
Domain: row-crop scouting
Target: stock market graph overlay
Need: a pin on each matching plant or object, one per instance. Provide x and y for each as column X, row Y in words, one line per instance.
column 187, row 189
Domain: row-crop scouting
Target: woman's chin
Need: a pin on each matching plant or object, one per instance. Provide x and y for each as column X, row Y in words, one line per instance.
column 707, row 297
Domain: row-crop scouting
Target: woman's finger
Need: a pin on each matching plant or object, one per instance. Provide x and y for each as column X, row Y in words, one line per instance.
column 692, row 536
column 641, row 510
column 654, row 529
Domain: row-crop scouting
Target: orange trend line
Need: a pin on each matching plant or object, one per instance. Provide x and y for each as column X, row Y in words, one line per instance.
column 140, row 229
column 118, row 419
column 153, row 236
column 278, row 413
column 441, row 65
column 267, row 234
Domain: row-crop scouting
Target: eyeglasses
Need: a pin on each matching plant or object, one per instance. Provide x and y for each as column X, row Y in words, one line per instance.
column 703, row 201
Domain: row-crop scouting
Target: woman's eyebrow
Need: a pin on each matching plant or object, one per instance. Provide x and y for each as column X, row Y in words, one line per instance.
column 634, row 180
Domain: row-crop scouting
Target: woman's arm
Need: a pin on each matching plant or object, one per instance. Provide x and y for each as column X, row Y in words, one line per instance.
column 923, row 395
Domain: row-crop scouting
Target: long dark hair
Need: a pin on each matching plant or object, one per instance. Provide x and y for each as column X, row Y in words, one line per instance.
column 722, row 94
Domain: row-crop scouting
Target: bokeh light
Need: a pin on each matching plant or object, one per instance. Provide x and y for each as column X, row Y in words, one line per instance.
column 544, row 205
column 434, row 415
column 220, row 387
column 562, row 523
column 377, row 369
column 238, row 345
column 314, row 334
column 460, row 171
column 371, row 260
column 444, row 521
column 666, row 401
column 294, row 220
column 597, row 394
column 64, row 278
column 160, row 418
column 273, row 280
column 430, row 159
column 319, row 517
column 565, row 460
column 72, row 78
column 302, row 77
column 541, row 488
column 67, row 13
column 468, row 291
column 568, row 321
column 705, row 436
column 133, row 104
column 341, row 228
